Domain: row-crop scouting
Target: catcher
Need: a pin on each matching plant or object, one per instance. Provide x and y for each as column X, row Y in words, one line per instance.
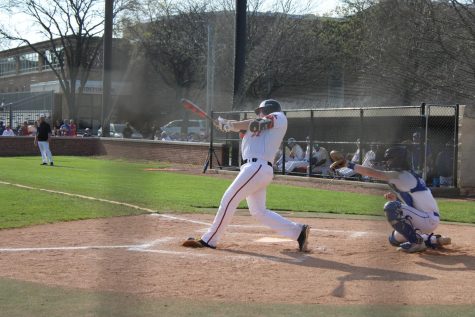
column 411, row 209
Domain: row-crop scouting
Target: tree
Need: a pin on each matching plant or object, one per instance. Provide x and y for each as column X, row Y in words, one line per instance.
column 413, row 51
column 172, row 37
column 454, row 28
column 398, row 58
column 73, row 31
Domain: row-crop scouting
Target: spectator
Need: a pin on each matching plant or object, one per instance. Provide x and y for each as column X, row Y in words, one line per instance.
column 23, row 130
column 347, row 172
column 165, row 137
column 57, row 127
column 444, row 165
column 8, row 131
column 87, row 133
column 153, row 131
column 127, row 133
column 417, row 152
column 72, row 128
column 64, row 129
column 319, row 160
column 369, row 161
column 43, row 133
column 295, row 159
column 2, row 127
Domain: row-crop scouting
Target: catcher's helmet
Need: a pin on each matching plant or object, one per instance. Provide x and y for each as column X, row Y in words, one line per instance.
column 397, row 158
column 268, row 106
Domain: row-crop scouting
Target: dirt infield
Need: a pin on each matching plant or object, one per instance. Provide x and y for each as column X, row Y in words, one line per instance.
column 350, row 262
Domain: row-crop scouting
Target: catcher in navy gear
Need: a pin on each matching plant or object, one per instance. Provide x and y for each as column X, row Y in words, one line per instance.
column 411, row 209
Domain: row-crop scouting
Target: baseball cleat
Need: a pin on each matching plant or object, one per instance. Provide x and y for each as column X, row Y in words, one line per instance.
column 303, row 238
column 412, row 247
column 196, row 243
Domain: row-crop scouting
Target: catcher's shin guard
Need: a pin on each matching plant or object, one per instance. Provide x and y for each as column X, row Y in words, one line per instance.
column 401, row 223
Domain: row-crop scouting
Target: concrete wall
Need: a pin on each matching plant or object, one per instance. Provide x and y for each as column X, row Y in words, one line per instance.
column 466, row 154
column 177, row 152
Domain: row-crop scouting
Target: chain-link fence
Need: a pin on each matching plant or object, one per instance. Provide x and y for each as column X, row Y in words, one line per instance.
column 428, row 131
column 20, row 107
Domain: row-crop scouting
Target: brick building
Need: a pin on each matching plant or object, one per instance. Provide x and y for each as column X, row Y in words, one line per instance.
column 24, row 70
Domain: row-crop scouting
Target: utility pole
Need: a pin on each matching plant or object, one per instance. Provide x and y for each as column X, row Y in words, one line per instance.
column 107, row 68
column 239, row 52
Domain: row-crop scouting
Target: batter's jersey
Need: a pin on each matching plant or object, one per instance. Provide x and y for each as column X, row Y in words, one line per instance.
column 265, row 144
column 412, row 190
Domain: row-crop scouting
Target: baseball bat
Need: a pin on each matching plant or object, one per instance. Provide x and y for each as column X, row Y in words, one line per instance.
column 189, row 105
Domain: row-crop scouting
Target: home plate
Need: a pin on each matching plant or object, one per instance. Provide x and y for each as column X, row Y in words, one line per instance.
column 272, row 240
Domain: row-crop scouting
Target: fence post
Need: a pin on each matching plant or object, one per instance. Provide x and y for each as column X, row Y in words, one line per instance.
column 456, row 146
column 211, row 149
column 284, row 142
column 426, row 146
column 10, row 110
column 360, row 145
column 311, row 137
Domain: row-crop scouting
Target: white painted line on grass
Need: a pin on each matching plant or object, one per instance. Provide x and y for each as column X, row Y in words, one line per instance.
column 79, row 196
column 352, row 234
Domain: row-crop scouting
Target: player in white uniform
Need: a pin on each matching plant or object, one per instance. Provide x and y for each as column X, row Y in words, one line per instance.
column 320, row 160
column 411, row 209
column 261, row 141
column 295, row 159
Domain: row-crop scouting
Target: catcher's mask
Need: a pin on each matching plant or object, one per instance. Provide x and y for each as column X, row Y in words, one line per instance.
column 268, row 106
column 396, row 158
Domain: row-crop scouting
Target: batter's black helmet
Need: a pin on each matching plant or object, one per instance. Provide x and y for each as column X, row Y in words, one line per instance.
column 268, row 106
column 397, row 158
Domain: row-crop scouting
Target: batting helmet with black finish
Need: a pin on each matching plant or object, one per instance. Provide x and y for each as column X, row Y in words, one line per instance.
column 268, row 106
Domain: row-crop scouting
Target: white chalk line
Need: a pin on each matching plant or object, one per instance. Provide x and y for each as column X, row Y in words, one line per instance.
column 155, row 213
column 142, row 247
column 146, row 248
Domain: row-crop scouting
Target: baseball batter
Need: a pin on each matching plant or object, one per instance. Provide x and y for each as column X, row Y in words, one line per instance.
column 262, row 138
column 411, row 209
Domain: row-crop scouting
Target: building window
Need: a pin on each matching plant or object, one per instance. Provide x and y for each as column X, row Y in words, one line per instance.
column 7, row 66
column 28, row 62
column 53, row 58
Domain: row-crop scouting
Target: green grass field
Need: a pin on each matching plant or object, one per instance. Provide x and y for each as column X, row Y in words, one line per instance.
column 161, row 191
column 166, row 192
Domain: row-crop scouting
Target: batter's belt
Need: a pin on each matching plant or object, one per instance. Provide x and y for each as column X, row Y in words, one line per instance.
column 254, row 159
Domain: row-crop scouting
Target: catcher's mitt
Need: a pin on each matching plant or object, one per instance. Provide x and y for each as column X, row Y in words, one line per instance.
column 338, row 159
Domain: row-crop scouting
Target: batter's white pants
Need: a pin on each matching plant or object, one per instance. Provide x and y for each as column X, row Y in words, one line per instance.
column 425, row 222
column 251, row 183
column 46, row 156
